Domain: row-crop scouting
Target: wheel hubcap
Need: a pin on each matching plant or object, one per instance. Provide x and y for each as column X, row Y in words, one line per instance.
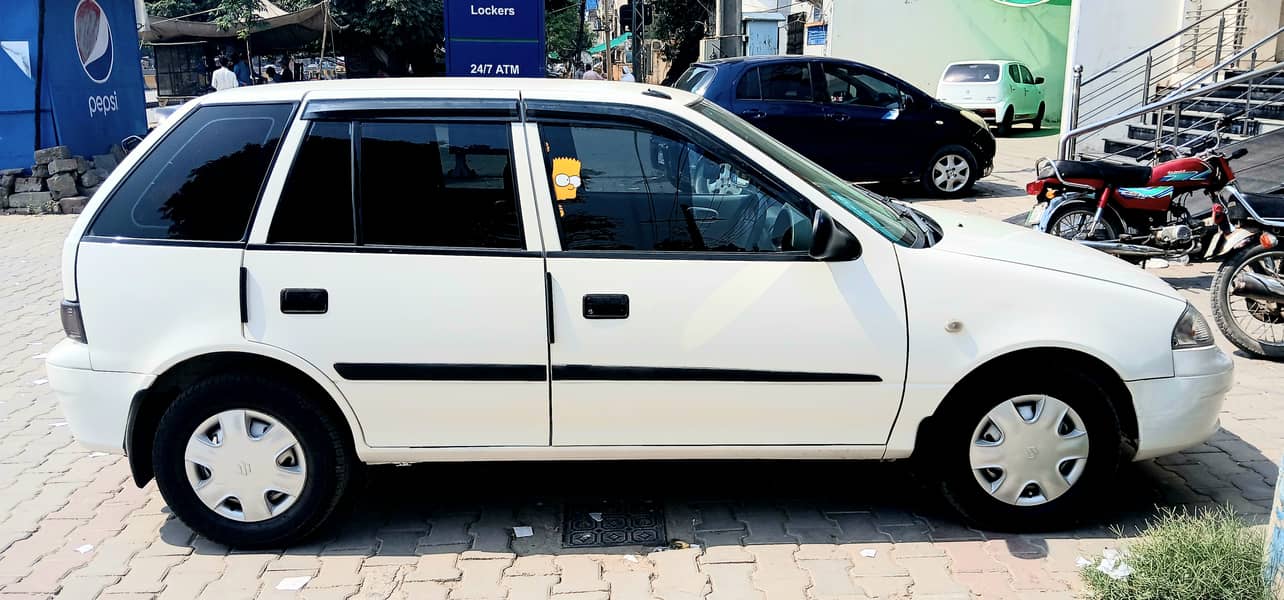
column 1074, row 226
column 245, row 465
column 1262, row 321
column 1029, row 450
column 950, row 173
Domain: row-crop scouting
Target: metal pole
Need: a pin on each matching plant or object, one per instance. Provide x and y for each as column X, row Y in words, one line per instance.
column 1159, row 134
column 579, row 38
column 1076, row 82
column 636, row 41
column 1145, row 85
column 40, row 69
column 729, row 28
column 1217, row 50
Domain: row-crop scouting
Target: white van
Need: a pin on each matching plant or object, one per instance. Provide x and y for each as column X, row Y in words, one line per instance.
column 286, row 282
column 1002, row 92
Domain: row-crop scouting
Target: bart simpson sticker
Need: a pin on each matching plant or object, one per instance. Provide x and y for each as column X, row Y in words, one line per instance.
column 566, row 178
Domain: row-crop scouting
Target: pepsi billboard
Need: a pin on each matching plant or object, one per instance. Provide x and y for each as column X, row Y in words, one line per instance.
column 495, row 38
column 90, row 76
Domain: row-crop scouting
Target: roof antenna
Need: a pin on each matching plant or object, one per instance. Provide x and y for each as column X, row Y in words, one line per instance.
column 656, row 94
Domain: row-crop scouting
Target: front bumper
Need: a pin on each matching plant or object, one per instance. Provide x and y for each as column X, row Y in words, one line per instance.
column 1175, row 413
column 96, row 403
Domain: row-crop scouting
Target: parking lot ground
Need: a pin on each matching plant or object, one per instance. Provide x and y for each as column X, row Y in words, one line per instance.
column 73, row 525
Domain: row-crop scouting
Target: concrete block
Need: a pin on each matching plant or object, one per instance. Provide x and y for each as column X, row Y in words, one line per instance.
column 45, row 156
column 62, row 185
column 107, row 162
column 62, row 165
column 28, row 184
column 41, row 171
column 73, row 205
column 91, row 179
column 35, row 202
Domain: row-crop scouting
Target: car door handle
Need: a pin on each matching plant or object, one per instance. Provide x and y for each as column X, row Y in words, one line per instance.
column 840, row 117
column 304, row 301
column 606, row 306
column 752, row 113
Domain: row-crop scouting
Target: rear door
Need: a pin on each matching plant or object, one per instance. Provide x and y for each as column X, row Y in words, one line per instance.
column 1033, row 93
column 399, row 255
column 1018, row 91
column 780, row 99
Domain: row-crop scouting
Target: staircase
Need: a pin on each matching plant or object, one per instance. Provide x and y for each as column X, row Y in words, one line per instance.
column 1177, row 91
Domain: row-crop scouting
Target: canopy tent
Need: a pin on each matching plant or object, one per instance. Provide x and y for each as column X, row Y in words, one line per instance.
column 619, row 41
column 274, row 29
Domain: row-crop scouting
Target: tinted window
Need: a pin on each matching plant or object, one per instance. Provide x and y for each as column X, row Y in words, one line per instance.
column 695, row 79
column 1026, row 77
column 438, row 184
column 1014, row 74
column 316, row 204
column 857, row 88
column 748, row 87
column 789, row 81
column 202, row 180
column 972, row 73
column 626, row 188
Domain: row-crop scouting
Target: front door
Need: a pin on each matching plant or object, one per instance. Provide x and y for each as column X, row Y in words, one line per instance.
column 396, row 257
column 685, row 308
column 864, row 115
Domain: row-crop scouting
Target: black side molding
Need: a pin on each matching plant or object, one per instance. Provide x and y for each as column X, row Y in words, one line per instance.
column 440, row 372
column 598, row 373
column 245, row 302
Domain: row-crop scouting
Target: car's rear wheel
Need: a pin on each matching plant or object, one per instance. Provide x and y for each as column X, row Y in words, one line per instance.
column 1026, row 453
column 951, row 172
column 1037, row 124
column 250, row 462
column 1005, row 125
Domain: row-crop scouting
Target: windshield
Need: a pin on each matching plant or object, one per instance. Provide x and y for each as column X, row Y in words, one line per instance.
column 695, row 80
column 972, row 73
column 857, row 201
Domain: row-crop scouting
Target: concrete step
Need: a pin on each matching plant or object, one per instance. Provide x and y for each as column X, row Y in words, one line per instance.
column 1146, row 133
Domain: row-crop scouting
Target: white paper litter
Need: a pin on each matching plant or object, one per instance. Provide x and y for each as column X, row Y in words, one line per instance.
column 523, row 531
column 596, row 517
column 293, row 583
column 869, row 553
column 40, row 382
column 85, row 548
column 630, row 558
column 1112, row 564
column 1082, row 562
column 97, row 454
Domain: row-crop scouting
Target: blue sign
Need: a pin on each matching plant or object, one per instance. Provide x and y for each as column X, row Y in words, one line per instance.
column 817, row 34
column 495, row 38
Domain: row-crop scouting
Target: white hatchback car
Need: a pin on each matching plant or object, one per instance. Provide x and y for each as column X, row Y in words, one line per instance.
column 1002, row 92
column 285, row 282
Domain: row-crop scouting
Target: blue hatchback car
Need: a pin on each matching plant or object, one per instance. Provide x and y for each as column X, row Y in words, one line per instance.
column 861, row 123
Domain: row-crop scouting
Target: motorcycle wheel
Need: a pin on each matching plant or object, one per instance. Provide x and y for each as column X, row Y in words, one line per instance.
column 1070, row 223
column 1254, row 326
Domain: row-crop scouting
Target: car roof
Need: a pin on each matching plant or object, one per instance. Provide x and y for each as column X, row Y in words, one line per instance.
column 489, row 87
column 775, row 58
column 984, row 62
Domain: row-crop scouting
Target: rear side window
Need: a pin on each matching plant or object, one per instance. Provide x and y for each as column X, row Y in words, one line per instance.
column 749, row 88
column 1026, row 77
column 202, row 180
column 1014, row 74
column 972, row 73
column 789, row 81
column 316, row 204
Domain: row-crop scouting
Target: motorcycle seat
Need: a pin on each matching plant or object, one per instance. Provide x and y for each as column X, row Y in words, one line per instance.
column 1111, row 173
column 1267, row 207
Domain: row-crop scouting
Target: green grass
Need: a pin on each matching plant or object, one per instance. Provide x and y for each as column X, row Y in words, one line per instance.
column 1209, row 555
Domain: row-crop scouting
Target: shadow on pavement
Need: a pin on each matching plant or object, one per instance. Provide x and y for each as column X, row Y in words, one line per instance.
column 462, row 507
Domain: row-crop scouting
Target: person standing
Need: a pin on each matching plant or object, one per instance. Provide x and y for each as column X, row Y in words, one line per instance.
column 287, row 73
column 593, row 74
column 270, row 73
column 244, row 76
column 223, row 78
column 627, row 76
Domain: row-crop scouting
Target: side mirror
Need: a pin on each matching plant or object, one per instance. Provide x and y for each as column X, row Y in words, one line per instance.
column 830, row 241
column 1038, row 81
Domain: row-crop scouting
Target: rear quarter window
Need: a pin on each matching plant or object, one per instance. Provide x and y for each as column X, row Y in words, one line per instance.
column 695, row 80
column 202, row 180
column 971, row 73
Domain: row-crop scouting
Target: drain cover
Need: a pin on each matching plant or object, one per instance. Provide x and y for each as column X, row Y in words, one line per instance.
column 613, row 524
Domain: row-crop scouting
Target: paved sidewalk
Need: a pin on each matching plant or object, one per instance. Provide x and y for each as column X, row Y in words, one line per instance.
column 72, row 524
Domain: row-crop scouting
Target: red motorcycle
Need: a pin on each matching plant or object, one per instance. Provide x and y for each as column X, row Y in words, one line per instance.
column 1139, row 212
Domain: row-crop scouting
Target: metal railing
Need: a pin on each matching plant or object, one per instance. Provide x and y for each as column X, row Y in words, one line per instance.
column 1159, row 107
column 1131, row 82
column 1247, row 53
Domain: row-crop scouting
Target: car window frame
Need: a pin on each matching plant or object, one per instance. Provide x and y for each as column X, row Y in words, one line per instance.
column 564, row 112
column 856, row 71
column 290, row 122
column 807, row 66
column 1014, row 73
column 735, row 90
column 1027, row 77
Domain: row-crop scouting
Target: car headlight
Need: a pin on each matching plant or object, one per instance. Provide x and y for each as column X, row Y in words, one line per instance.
column 1191, row 330
column 975, row 118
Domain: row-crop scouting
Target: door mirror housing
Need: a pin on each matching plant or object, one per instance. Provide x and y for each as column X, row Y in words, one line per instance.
column 830, row 241
column 1038, row 81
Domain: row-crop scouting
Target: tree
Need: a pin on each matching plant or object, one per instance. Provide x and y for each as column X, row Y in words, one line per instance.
column 680, row 25
column 562, row 24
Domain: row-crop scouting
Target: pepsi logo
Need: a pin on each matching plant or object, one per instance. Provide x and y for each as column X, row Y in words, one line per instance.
column 93, row 40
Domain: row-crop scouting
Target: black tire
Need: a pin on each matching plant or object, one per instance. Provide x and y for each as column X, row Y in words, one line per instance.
column 1110, row 227
column 1037, row 123
column 927, row 179
column 1005, row 125
column 327, row 448
column 947, row 463
column 1221, row 304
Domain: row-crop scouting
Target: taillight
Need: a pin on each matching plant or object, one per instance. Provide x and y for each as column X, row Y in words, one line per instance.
column 1269, row 240
column 1034, row 188
column 72, row 324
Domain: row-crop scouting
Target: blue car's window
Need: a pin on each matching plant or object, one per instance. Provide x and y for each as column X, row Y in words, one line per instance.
column 748, row 88
column 786, row 81
column 695, row 80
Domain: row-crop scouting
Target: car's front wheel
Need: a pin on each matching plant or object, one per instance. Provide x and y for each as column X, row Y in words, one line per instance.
column 251, row 462
column 1026, row 453
column 951, row 172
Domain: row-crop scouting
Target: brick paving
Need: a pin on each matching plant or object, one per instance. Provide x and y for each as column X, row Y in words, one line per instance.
column 72, row 524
